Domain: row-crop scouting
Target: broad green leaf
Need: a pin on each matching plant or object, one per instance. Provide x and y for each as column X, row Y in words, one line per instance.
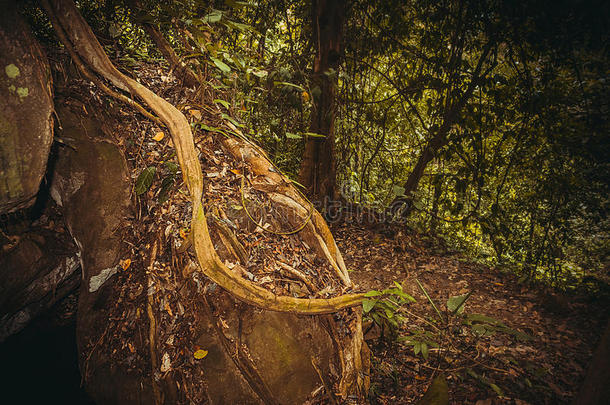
column 144, row 180
column 221, row 65
column 212, row 17
column 373, row 293
column 424, row 350
column 172, row 167
column 367, row 305
column 166, row 185
column 417, row 348
column 398, row 191
column 455, row 304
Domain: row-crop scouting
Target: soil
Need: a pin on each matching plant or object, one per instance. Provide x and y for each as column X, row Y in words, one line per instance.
column 546, row 366
column 546, row 369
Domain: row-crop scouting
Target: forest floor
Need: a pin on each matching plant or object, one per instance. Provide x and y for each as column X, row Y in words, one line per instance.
column 531, row 347
column 500, row 368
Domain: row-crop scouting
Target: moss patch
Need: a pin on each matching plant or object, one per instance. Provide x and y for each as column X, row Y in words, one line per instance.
column 12, row 71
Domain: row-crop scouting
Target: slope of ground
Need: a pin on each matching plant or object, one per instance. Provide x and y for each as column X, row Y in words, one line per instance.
column 493, row 365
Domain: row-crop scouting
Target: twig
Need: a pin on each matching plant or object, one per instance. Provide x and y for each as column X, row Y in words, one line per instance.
column 298, row 275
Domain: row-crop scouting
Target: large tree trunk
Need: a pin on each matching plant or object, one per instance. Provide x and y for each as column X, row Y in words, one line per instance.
column 163, row 331
column 26, row 124
column 318, row 172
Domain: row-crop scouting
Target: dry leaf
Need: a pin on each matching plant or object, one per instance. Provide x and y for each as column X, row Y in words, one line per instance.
column 125, row 263
column 200, row 354
column 165, row 363
column 196, row 114
column 158, row 136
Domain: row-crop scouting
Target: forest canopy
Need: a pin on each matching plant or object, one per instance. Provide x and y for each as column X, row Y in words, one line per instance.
column 484, row 122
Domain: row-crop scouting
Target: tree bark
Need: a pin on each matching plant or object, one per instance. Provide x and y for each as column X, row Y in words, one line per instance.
column 318, row 171
column 257, row 342
column 403, row 205
column 180, row 69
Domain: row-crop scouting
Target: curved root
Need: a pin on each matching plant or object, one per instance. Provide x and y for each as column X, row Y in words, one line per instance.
column 67, row 20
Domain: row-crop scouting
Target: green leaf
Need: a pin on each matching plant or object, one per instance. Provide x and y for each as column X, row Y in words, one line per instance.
column 367, row 305
column 496, row 389
column 455, row 304
column 296, row 86
column 172, row 167
column 212, row 129
column 314, row 135
column 398, row 191
column 260, row 73
column 417, row 348
column 424, row 350
column 212, row 17
column 223, row 103
column 373, row 293
column 166, row 185
column 473, row 318
column 221, row 65
column 231, row 120
column 144, row 180
column 290, row 135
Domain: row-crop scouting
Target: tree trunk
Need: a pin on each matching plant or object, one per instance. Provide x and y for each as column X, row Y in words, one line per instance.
column 183, row 327
column 180, row 69
column 403, row 205
column 318, row 172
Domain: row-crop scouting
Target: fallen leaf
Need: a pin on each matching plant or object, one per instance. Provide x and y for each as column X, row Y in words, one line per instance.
column 200, row 354
column 125, row 263
column 158, row 136
column 168, row 309
column 196, row 114
column 183, row 233
column 165, row 363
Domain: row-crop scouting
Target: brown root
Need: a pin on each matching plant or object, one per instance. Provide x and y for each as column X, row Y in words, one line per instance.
column 78, row 35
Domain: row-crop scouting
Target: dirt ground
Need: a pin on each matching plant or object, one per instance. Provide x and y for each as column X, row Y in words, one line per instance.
column 538, row 356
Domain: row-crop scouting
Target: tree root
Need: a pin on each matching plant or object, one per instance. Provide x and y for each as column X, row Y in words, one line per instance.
column 78, row 35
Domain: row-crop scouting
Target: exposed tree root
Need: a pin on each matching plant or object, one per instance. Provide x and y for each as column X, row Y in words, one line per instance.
column 78, row 35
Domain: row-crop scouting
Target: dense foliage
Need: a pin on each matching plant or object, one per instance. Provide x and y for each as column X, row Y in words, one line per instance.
column 483, row 121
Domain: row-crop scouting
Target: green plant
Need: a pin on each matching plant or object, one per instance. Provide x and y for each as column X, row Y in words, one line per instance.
column 436, row 332
column 384, row 309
